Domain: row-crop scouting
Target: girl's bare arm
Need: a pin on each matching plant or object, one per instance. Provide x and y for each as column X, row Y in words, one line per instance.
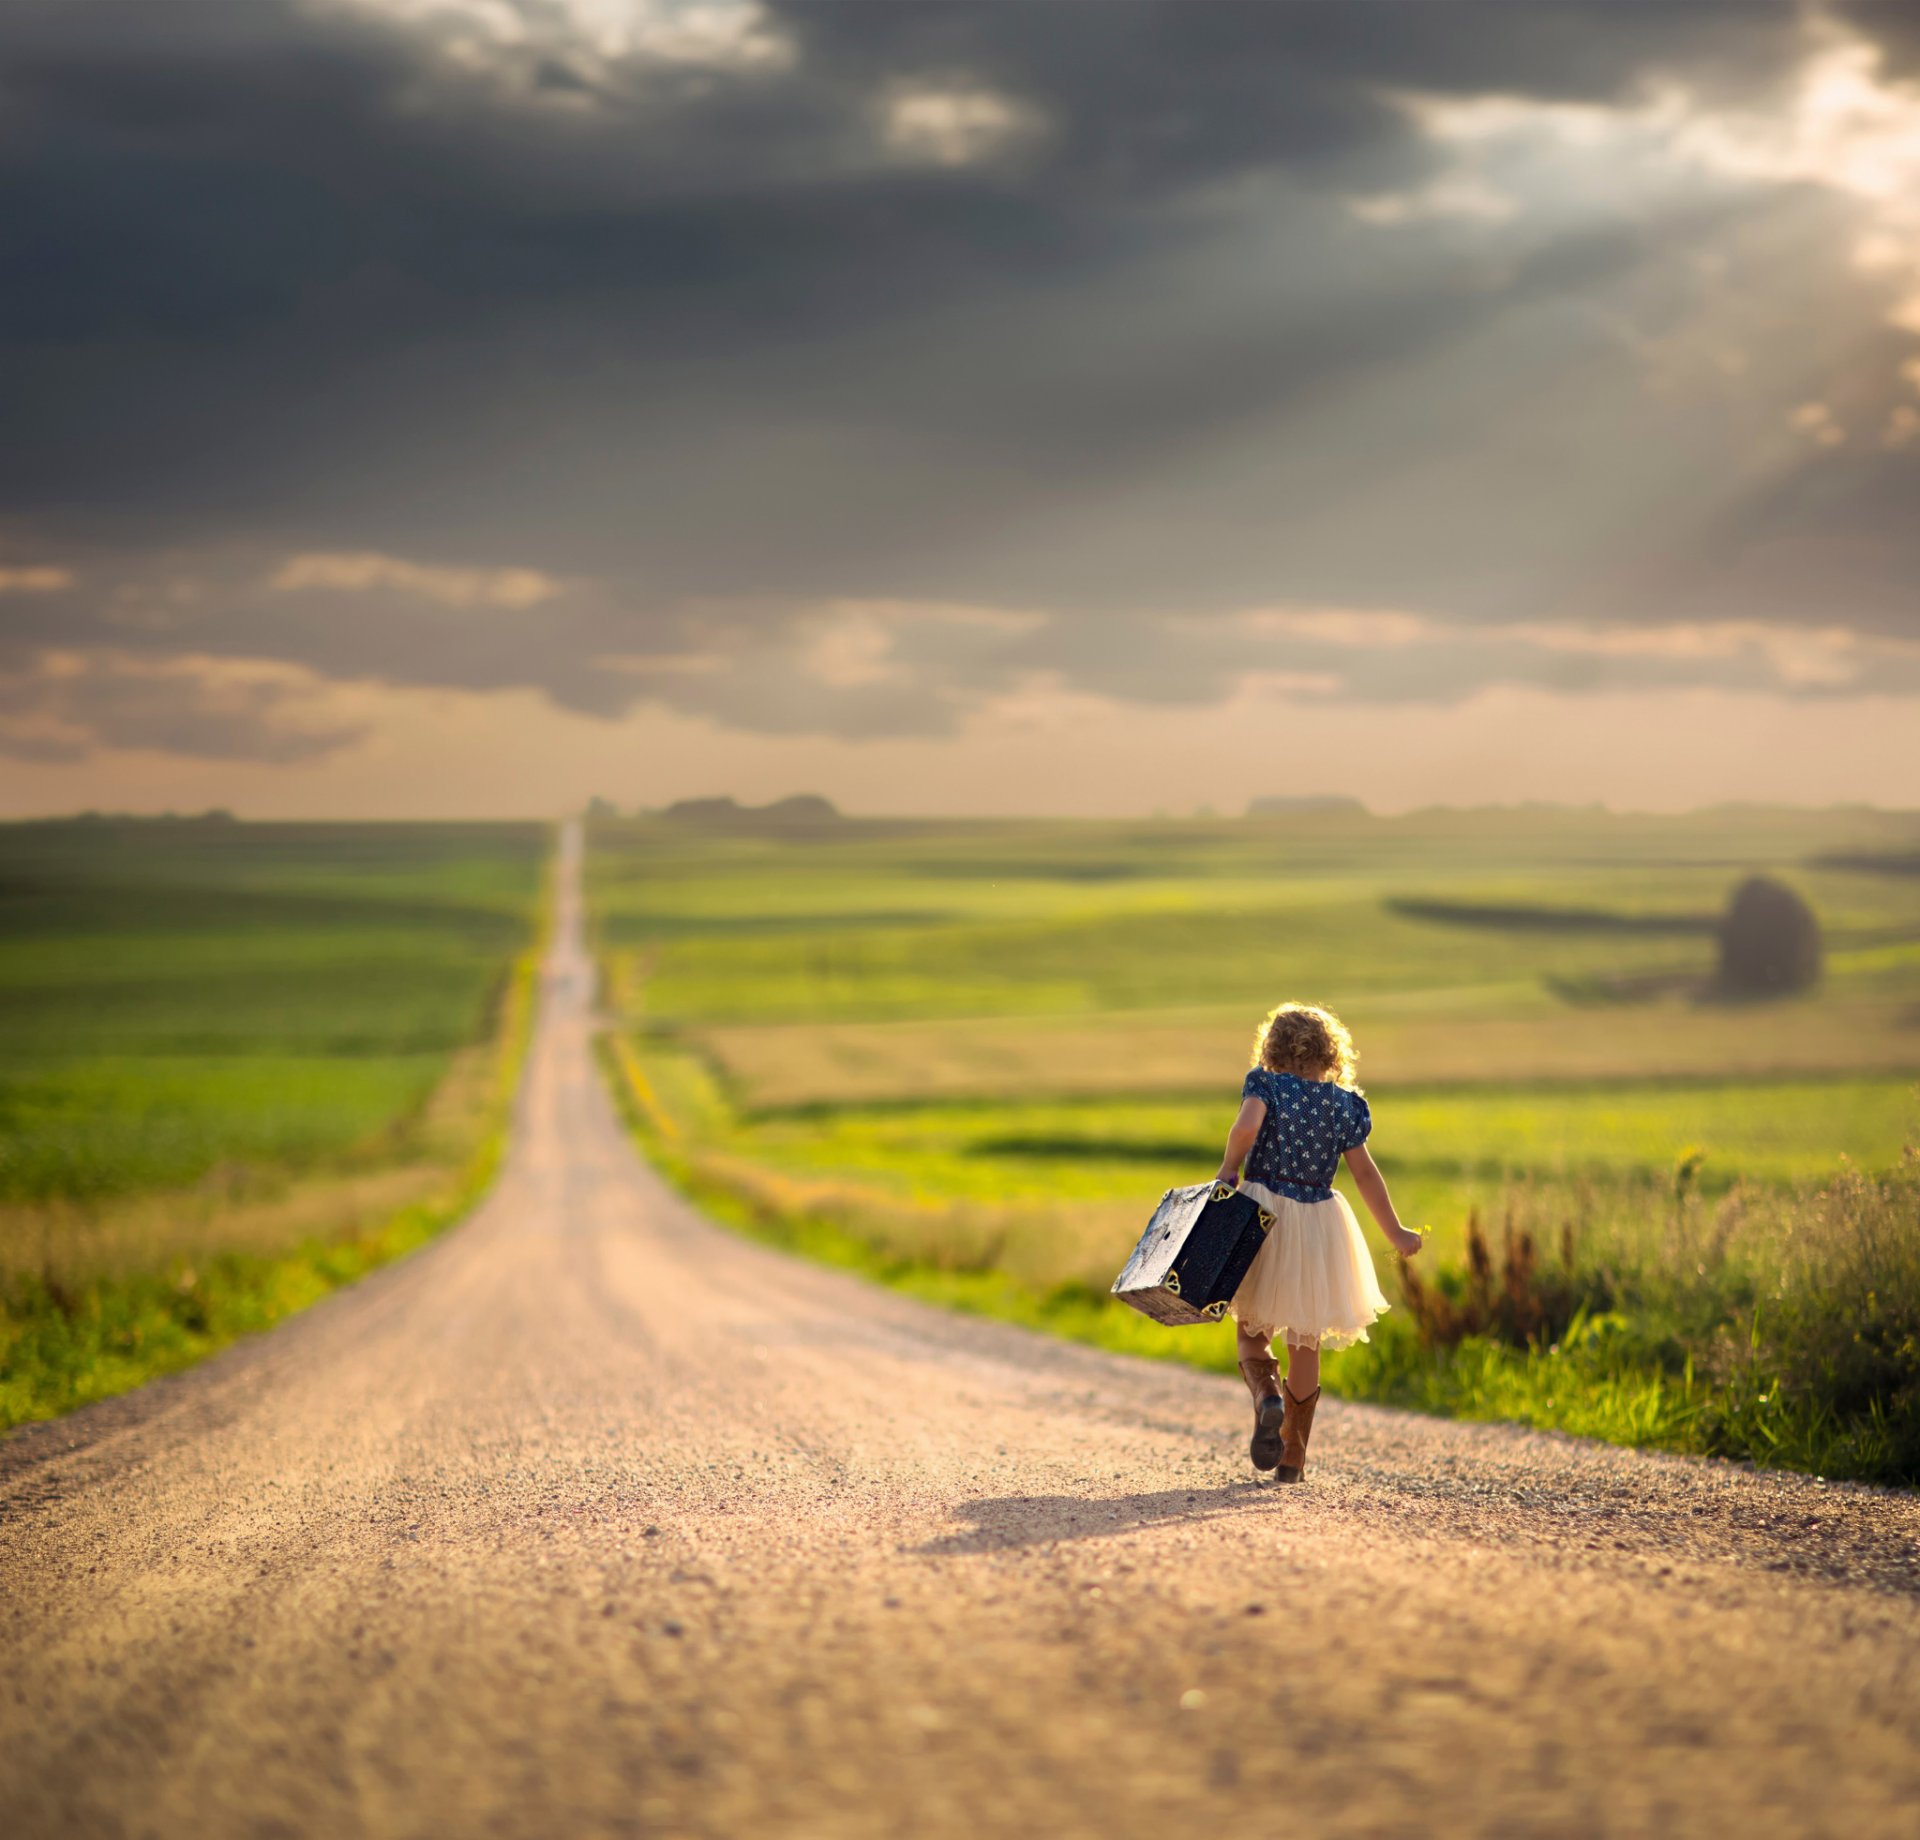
column 1373, row 1191
column 1246, row 1128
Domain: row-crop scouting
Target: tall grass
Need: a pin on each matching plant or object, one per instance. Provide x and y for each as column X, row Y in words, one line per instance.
column 1821, row 1369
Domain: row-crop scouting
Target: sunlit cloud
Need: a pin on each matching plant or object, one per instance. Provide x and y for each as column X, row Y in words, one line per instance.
column 1039, row 702
column 1844, row 124
column 1848, row 128
column 711, row 34
column 1350, row 626
column 849, row 652
column 35, row 580
column 1799, row 657
column 360, row 572
column 954, row 126
column 1455, row 657
column 1816, row 421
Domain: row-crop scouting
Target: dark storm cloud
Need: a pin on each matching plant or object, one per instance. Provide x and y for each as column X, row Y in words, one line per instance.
column 702, row 339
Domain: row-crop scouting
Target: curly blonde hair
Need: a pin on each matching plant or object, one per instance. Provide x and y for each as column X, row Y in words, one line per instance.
column 1308, row 1041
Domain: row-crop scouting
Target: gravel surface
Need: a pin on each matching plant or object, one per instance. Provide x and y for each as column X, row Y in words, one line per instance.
column 593, row 1519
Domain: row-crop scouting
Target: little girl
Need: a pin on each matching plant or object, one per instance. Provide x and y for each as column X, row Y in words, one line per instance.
column 1312, row 1283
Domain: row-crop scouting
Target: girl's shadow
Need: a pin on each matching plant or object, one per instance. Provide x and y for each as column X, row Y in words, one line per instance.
column 1001, row 1523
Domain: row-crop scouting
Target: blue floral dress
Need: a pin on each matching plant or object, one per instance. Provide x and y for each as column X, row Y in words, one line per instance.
column 1309, row 1126
column 1313, row 1283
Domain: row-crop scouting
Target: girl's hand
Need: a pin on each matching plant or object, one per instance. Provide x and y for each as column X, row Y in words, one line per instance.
column 1405, row 1241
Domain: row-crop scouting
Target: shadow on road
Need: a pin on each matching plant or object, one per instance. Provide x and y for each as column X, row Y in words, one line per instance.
column 1003, row 1522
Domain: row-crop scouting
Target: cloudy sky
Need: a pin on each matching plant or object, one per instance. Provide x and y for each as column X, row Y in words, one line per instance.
column 459, row 406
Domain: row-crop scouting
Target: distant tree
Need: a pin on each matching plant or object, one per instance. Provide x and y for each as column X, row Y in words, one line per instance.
column 1769, row 940
column 1286, row 805
column 801, row 808
column 719, row 811
column 804, row 814
column 597, row 807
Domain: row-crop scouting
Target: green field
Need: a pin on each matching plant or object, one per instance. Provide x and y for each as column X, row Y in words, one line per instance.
column 233, row 1057
column 973, row 1056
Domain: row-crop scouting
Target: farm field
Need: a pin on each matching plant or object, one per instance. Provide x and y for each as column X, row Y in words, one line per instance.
column 979, row 1053
column 232, row 1058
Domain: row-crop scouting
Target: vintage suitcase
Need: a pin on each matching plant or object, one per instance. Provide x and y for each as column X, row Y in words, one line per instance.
column 1194, row 1253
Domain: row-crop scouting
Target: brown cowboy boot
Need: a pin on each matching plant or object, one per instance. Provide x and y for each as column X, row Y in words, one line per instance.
column 1261, row 1372
column 1294, row 1433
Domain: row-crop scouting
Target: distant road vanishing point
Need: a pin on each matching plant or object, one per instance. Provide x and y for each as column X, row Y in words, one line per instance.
column 593, row 1519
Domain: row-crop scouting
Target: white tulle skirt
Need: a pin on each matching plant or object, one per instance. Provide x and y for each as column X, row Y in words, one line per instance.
column 1313, row 1282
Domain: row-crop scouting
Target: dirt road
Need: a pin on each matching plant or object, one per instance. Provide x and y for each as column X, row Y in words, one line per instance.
column 593, row 1519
